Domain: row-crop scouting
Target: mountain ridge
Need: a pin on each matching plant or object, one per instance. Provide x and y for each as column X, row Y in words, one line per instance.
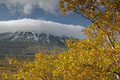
column 26, row 42
column 32, row 36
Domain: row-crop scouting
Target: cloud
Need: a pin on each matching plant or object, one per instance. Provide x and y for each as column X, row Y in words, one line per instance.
column 42, row 26
column 27, row 6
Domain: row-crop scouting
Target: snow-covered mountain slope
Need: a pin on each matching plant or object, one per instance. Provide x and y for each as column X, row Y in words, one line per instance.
column 27, row 42
column 29, row 36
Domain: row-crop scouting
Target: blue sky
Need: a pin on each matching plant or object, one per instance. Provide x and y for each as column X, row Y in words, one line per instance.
column 18, row 9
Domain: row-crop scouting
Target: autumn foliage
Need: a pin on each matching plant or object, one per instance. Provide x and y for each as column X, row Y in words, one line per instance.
column 94, row 58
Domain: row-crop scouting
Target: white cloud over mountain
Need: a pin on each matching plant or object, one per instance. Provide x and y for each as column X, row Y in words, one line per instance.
column 27, row 6
column 41, row 26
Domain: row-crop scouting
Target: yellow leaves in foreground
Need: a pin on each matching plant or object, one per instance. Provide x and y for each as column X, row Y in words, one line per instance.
column 79, row 62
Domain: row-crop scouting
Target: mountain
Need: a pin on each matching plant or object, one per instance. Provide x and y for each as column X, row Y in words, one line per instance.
column 27, row 41
column 29, row 36
column 24, row 35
